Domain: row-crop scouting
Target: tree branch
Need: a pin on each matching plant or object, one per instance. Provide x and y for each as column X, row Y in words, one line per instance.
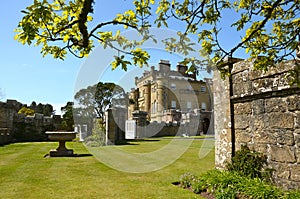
column 267, row 17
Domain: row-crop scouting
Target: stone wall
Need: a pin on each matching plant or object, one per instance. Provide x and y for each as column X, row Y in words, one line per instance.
column 18, row 127
column 7, row 112
column 115, row 125
column 266, row 117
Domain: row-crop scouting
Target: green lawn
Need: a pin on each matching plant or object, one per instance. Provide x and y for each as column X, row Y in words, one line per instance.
column 25, row 173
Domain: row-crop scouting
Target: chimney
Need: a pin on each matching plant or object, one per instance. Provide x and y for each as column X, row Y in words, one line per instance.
column 164, row 66
column 182, row 69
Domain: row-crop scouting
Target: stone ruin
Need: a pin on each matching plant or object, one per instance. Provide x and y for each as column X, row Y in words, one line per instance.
column 16, row 127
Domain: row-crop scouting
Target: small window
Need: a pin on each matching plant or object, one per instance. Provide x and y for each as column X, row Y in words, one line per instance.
column 154, row 107
column 154, row 89
column 203, row 89
column 173, row 86
column 173, row 105
column 203, row 106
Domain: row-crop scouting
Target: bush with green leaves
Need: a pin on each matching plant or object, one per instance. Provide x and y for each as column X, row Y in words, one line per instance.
column 226, row 185
column 247, row 176
column 250, row 163
column 98, row 135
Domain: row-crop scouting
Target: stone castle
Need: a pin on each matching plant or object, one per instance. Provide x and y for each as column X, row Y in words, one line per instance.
column 172, row 97
column 18, row 127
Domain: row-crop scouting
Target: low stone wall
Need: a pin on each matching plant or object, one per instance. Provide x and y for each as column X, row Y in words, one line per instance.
column 18, row 127
column 266, row 116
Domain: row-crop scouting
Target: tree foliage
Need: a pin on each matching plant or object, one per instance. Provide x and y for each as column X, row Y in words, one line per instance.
column 94, row 100
column 267, row 28
column 45, row 109
column 67, row 118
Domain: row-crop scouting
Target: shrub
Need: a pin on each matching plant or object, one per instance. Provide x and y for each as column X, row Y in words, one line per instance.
column 26, row 111
column 293, row 195
column 98, row 136
column 187, row 179
column 250, row 164
column 226, row 185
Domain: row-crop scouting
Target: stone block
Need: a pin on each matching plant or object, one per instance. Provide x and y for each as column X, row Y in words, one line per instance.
column 261, row 148
column 262, row 85
column 297, row 121
column 295, row 173
column 281, row 68
column 243, row 136
column 258, row 107
column 297, row 140
column 242, row 108
column 284, row 154
column 241, row 89
column 264, row 136
column 275, row 105
column 279, row 170
column 283, row 136
column 280, row 120
column 285, row 174
column 240, row 65
column 298, row 155
column 241, row 121
column 257, row 123
column 293, row 102
column 255, row 74
column 240, row 77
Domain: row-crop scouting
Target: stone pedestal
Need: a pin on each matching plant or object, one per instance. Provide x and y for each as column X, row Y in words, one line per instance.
column 61, row 137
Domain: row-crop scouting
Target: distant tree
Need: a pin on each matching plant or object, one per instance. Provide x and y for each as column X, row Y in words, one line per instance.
column 39, row 108
column 26, row 111
column 68, row 120
column 94, row 100
column 33, row 105
column 45, row 109
column 48, row 110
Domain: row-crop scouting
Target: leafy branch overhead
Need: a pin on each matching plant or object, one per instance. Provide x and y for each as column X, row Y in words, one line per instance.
column 268, row 28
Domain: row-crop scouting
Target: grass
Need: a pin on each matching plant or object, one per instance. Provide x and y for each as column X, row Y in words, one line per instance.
column 24, row 173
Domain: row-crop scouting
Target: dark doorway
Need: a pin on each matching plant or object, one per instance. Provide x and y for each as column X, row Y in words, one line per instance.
column 205, row 125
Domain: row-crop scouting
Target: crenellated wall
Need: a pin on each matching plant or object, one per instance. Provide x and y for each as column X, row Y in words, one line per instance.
column 18, row 127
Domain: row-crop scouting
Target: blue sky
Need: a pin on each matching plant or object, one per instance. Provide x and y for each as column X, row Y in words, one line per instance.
column 27, row 76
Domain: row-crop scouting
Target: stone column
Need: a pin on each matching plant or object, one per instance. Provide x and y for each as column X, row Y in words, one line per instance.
column 222, row 124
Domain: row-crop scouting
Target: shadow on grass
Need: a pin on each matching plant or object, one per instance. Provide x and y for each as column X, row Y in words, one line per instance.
column 71, row 156
column 135, row 141
column 82, row 155
column 144, row 140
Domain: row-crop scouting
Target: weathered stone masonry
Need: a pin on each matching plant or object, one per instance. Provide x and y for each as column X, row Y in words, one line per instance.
column 266, row 118
column 18, row 127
